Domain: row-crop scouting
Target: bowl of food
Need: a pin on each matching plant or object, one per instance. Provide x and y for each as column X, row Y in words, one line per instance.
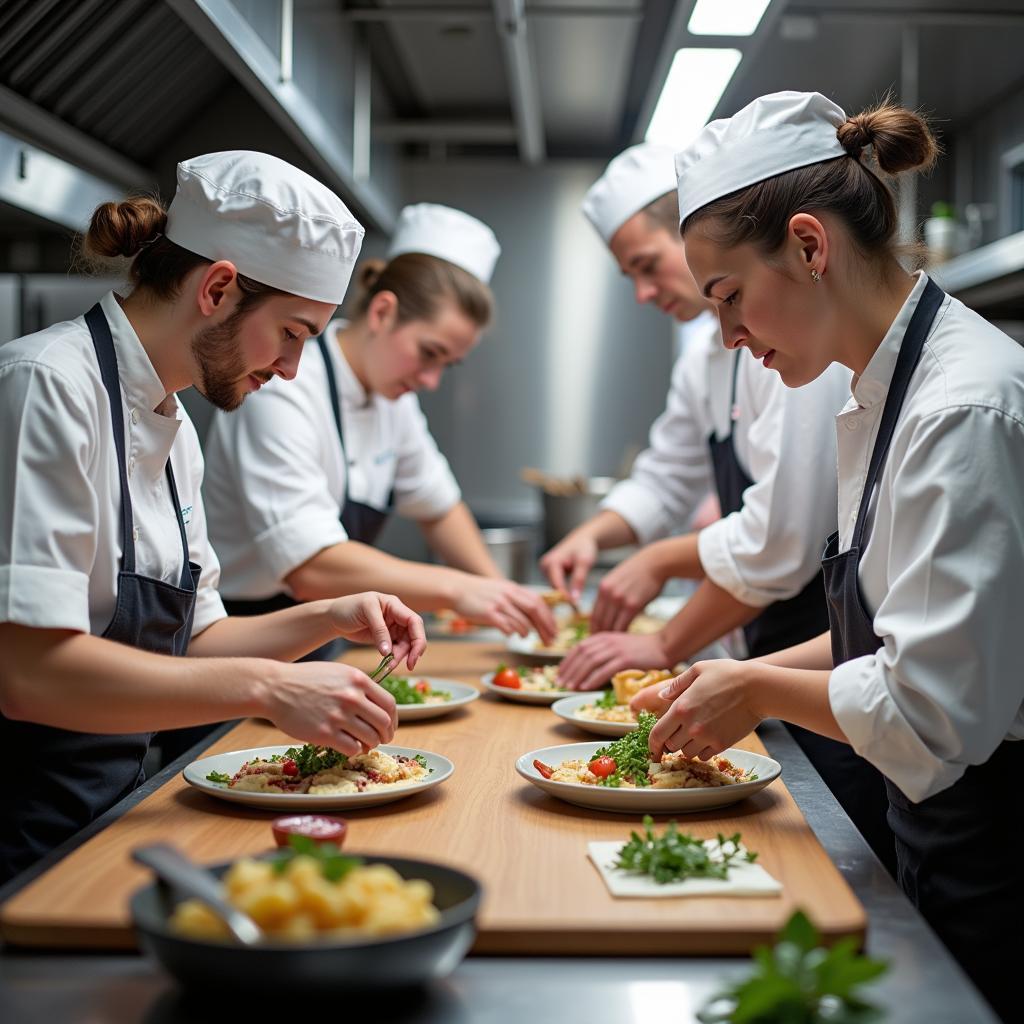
column 329, row 924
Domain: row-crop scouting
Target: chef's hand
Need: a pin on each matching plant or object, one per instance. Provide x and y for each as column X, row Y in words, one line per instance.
column 382, row 621
column 703, row 711
column 567, row 564
column 626, row 591
column 591, row 663
column 507, row 606
column 331, row 705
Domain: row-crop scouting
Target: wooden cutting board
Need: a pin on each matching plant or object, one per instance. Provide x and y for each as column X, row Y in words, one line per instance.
column 541, row 893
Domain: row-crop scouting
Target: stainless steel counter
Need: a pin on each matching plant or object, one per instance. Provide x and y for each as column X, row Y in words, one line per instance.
column 924, row 984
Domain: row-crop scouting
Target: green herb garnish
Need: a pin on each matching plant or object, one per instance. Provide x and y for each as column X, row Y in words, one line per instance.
column 405, row 692
column 311, row 759
column 580, row 631
column 606, row 700
column 421, row 761
column 799, row 982
column 675, row 855
column 631, row 755
column 219, row 777
column 333, row 864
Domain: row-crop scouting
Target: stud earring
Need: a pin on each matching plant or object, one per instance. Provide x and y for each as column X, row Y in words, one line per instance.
column 815, row 276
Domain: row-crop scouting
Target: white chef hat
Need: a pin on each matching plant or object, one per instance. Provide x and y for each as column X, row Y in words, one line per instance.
column 448, row 234
column 633, row 180
column 773, row 134
column 275, row 223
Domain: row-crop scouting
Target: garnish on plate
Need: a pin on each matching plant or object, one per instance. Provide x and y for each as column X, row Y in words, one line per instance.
column 630, row 755
column 420, row 692
column 674, row 855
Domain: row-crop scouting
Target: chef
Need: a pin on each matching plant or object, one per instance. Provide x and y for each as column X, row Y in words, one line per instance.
column 303, row 478
column 106, row 574
column 768, row 452
column 790, row 228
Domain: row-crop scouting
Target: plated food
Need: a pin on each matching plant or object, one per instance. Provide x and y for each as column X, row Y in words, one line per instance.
column 312, row 777
column 607, row 712
column 621, row 776
column 427, row 697
column 572, row 629
column 525, row 684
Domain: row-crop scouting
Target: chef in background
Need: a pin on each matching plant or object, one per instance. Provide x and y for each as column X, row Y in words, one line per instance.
column 791, row 228
column 303, row 478
column 107, row 578
column 768, row 452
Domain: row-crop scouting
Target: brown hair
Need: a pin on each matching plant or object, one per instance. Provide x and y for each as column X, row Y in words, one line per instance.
column 134, row 229
column 663, row 212
column 847, row 186
column 420, row 283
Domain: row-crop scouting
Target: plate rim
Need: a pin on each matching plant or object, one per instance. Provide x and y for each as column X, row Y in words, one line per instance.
column 544, row 697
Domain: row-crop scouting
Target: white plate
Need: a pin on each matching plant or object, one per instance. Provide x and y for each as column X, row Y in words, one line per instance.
column 521, row 696
column 229, row 763
column 646, row 800
column 462, row 694
column 566, row 708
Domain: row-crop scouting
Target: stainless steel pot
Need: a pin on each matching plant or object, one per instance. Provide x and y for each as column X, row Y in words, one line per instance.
column 563, row 513
column 512, row 548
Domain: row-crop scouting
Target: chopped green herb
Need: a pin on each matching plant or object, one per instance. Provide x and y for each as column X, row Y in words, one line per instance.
column 311, row 759
column 333, row 864
column 631, row 755
column 402, row 690
column 580, row 631
column 606, row 700
column 675, row 855
column 218, row 777
column 421, row 761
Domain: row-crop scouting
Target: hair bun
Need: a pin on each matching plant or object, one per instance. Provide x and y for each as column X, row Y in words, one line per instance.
column 369, row 273
column 900, row 139
column 122, row 229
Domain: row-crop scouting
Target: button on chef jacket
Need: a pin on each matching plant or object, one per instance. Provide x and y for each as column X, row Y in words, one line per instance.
column 771, row 548
column 277, row 474
column 60, row 502
column 943, row 569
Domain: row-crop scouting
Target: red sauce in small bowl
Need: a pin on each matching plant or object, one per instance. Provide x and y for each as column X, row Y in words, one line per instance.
column 319, row 827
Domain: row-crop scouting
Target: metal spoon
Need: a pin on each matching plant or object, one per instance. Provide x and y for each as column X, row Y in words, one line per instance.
column 176, row 869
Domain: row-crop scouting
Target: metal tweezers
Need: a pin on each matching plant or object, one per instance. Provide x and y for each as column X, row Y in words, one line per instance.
column 383, row 670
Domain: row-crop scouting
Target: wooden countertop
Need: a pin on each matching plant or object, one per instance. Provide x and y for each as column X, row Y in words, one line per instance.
column 542, row 895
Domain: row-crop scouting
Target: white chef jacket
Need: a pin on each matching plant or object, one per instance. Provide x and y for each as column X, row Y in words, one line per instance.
column 60, row 500
column 943, row 568
column 278, row 476
column 771, row 548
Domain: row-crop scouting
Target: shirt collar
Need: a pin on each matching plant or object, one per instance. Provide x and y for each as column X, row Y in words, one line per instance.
column 141, row 383
column 873, row 384
column 348, row 383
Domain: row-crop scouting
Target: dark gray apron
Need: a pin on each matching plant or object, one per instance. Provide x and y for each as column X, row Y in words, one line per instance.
column 857, row 785
column 958, row 852
column 362, row 522
column 70, row 778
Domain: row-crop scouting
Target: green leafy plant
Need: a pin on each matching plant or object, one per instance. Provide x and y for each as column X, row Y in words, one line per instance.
column 631, row 755
column 606, row 700
column 310, row 758
column 797, row 981
column 218, row 777
column 943, row 210
column 402, row 690
column 334, row 865
column 674, row 855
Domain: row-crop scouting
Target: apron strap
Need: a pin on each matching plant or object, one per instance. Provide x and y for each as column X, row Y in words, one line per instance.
column 332, row 386
column 103, row 343
column 906, row 362
column 186, row 571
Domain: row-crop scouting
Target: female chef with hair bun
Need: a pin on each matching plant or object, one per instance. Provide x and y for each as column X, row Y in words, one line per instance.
column 789, row 226
column 302, row 479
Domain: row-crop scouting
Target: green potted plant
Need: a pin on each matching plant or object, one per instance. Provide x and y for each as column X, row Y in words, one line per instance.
column 941, row 232
column 798, row 981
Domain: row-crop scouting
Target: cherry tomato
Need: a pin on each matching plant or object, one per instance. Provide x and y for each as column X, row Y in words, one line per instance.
column 508, row 677
column 422, row 686
column 318, row 827
column 458, row 625
column 546, row 770
column 602, row 767
column 289, row 767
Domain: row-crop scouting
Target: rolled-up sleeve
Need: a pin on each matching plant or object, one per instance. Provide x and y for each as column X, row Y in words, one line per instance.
column 285, row 502
column 49, row 514
column 672, row 475
column 945, row 688
column 425, row 487
column 770, row 549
